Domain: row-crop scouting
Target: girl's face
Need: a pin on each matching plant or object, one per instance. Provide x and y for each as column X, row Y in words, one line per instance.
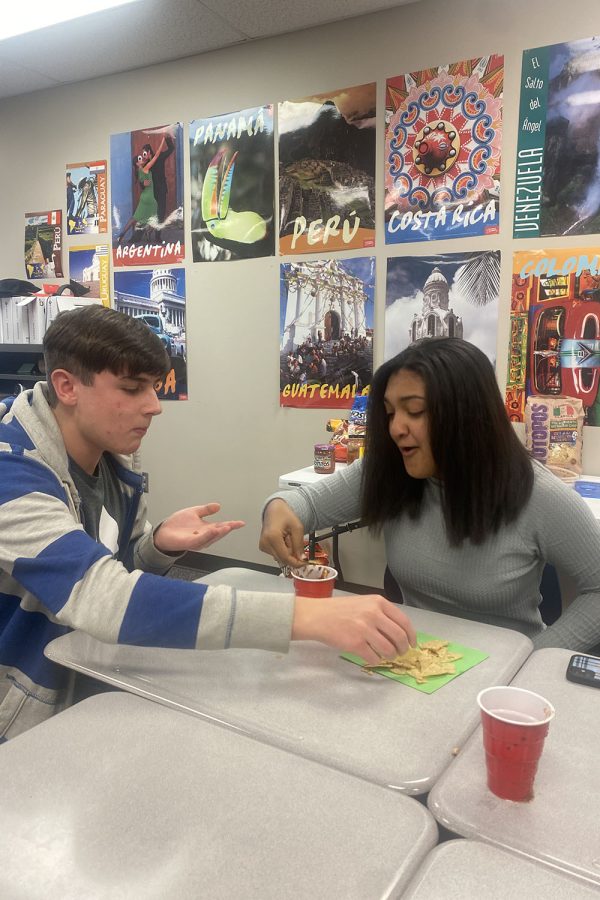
column 406, row 406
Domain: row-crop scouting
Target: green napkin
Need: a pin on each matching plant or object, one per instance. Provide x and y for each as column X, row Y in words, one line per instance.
column 469, row 658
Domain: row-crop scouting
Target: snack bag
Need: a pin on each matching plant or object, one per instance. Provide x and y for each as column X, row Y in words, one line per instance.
column 357, row 420
column 554, row 432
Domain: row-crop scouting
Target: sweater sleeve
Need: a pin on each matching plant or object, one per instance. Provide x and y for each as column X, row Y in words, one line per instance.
column 331, row 501
column 569, row 539
column 76, row 581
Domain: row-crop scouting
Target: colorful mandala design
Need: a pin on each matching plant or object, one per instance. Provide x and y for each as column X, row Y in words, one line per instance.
column 445, row 113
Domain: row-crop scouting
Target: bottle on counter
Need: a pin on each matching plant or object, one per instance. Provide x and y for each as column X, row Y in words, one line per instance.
column 355, row 448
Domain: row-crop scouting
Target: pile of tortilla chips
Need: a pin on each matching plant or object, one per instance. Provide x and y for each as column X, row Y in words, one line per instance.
column 422, row 662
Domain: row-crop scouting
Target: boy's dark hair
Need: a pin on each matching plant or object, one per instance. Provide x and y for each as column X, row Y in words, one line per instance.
column 485, row 472
column 95, row 339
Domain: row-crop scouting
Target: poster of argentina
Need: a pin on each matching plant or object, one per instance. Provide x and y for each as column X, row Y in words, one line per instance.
column 146, row 179
column 233, row 185
column 327, row 171
column 442, row 151
column 326, row 328
column 557, row 189
column 450, row 295
column 87, row 198
column 157, row 298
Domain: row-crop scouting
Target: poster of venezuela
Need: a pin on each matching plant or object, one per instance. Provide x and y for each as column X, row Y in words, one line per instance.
column 327, row 171
column 450, row 295
column 157, row 297
column 146, row 179
column 43, row 244
column 326, row 328
column 88, row 264
column 87, row 198
column 557, row 189
column 554, row 345
column 442, row 151
column 233, row 184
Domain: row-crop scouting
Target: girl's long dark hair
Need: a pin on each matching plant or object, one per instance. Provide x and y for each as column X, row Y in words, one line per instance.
column 485, row 471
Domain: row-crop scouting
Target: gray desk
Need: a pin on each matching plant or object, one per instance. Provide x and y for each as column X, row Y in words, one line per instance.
column 118, row 798
column 472, row 870
column 312, row 702
column 560, row 826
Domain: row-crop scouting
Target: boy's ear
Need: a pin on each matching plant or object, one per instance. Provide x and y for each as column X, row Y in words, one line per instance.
column 65, row 386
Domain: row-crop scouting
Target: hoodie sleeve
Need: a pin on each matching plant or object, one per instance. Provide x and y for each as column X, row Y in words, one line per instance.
column 78, row 583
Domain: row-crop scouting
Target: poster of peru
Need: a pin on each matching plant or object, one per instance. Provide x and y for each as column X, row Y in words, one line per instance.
column 87, row 198
column 450, row 295
column 43, row 244
column 232, row 173
column 327, row 171
column 326, row 328
column 157, row 297
column 554, row 347
column 146, row 178
column 442, row 151
column 557, row 190
column 89, row 265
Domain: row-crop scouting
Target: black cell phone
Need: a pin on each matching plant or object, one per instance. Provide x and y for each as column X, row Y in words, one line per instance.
column 584, row 669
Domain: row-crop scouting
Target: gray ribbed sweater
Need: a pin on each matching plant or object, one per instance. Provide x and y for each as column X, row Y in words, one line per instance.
column 495, row 582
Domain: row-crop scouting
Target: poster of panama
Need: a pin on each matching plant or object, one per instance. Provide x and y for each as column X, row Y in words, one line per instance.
column 442, row 151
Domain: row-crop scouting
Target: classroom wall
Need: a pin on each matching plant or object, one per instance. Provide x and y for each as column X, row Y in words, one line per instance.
column 231, row 440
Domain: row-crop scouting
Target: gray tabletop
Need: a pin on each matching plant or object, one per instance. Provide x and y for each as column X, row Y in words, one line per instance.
column 472, row 870
column 560, row 826
column 314, row 703
column 120, row 798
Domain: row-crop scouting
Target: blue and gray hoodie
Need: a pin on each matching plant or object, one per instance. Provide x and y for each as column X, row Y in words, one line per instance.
column 55, row 578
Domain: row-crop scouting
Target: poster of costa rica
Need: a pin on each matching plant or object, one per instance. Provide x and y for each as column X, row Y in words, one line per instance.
column 443, row 151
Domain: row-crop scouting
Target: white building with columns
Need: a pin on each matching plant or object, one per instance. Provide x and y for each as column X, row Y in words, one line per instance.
column 436, row 318
column 323, row 302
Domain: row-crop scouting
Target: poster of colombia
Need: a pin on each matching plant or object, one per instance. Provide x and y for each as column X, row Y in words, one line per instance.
column 555, row 329
column 326, row 329
column 557, row 188
column 327, row 171
column 442, row 151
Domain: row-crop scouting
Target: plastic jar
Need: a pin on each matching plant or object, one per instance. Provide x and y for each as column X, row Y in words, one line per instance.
column 324, row 458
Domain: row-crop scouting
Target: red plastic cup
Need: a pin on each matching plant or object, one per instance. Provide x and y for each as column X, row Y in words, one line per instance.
column 515, row 724
column 314, row 581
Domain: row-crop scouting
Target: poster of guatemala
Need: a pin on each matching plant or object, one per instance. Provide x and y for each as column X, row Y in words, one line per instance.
column 326, row 328
column 89, row 266
column 233, row 185
column 557, row 189
column 43, row 244
column 87, row 198
column 327, row 171
column 451, row 295
column 554, row 345
column 146, row 179
column 442, row 151
column 157, row 297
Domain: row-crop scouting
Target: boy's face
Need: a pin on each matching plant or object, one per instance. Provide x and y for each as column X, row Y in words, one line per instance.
column 114, row 413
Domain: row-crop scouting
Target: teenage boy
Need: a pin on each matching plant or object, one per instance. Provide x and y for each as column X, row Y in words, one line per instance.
column 76, row 550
